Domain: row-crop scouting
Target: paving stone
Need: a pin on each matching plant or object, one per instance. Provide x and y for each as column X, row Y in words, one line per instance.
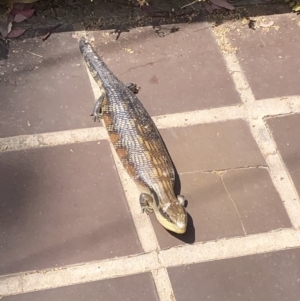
column 276, row 49
column 137, row 287
column 197, row 151
column 62, row 205
column 177, row 72
column 44, row 86
column 256, row 200
column 272, row 276
column 215, row 146
column 286, row 133
column 212, row 213
column 245, row 202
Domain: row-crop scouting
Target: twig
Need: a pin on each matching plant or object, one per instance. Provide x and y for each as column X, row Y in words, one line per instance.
column 202, row 28
column 118, row 31
column 172, row 15
column 34, row 53
column 186, row 24
column 48, row 34
column 190, row 3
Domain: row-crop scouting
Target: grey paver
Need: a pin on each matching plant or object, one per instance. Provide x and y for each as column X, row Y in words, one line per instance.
column 272, row 276
column 44, row 87
column 276, row 49
column 215, row 146
column 170, row 70
column 213, row 215
column 225, row 145
column 137, row 287
column 62, row 205
column 256, row 199
column 286, row 133
column 247, row 204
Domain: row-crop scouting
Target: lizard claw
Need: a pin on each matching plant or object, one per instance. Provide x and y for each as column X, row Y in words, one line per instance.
column 97, row 117
column 133, row 87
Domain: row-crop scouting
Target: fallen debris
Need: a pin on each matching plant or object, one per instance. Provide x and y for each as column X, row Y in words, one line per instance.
column 16, row 13
column 48, row 34
column 267, row 25
column 211, row 5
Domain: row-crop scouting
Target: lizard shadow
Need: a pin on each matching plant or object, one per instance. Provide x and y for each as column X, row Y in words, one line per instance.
column 189, row 236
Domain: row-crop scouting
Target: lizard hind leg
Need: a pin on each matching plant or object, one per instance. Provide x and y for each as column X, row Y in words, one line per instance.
column 97, row 108
column 145, row 201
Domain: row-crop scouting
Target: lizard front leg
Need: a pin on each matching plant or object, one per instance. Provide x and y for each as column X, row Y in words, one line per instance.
column 145, row 201
column 97, row 108
column 133, row 87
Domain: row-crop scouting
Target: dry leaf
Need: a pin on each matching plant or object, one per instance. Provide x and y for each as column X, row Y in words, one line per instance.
column 19, row 18
column 208, row 7
column 5, row 25
column 142, row 2
column 296, row 7
column 25, row 12
column 9, row 26
column 214, row 7
column 16, row 14
column 222, row 3
column 23, row 6
column 128, row 50
column 16, row 33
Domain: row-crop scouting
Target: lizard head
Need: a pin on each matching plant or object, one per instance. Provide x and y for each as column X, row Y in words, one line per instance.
column 173, row 217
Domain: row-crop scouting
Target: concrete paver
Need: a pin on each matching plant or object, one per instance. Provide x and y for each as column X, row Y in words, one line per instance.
column 272, row 276
column 62, row 205
column 44, row 87
column 170, row 68
column 234, row 203
column 256, row 200
column 134, row 288
column 64, row 216
column 214, row 146
column 277, row 50
column 285, row 131
column 213, row 215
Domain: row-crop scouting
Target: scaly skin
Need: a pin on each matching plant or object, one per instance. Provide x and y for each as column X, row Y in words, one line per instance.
column 137, row 143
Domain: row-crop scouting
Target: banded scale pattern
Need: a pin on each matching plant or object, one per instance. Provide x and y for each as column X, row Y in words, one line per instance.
column 131, row 129
column 134, row 136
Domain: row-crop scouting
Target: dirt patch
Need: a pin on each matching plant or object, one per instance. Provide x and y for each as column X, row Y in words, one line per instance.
column 244, row 18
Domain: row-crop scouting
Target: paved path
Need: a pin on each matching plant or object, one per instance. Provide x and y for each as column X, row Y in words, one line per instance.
column 227, row 103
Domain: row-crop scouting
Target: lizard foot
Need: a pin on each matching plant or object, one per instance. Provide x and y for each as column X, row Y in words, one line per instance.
column 97, row 116
column 133, row 87
column 145, row 201
column 97, row 109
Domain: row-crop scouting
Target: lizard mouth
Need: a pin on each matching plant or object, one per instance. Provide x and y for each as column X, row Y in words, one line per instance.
column 178, row 227
column 181, row 226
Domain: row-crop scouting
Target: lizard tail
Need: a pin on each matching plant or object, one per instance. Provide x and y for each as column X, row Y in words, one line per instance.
column 94, row 62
